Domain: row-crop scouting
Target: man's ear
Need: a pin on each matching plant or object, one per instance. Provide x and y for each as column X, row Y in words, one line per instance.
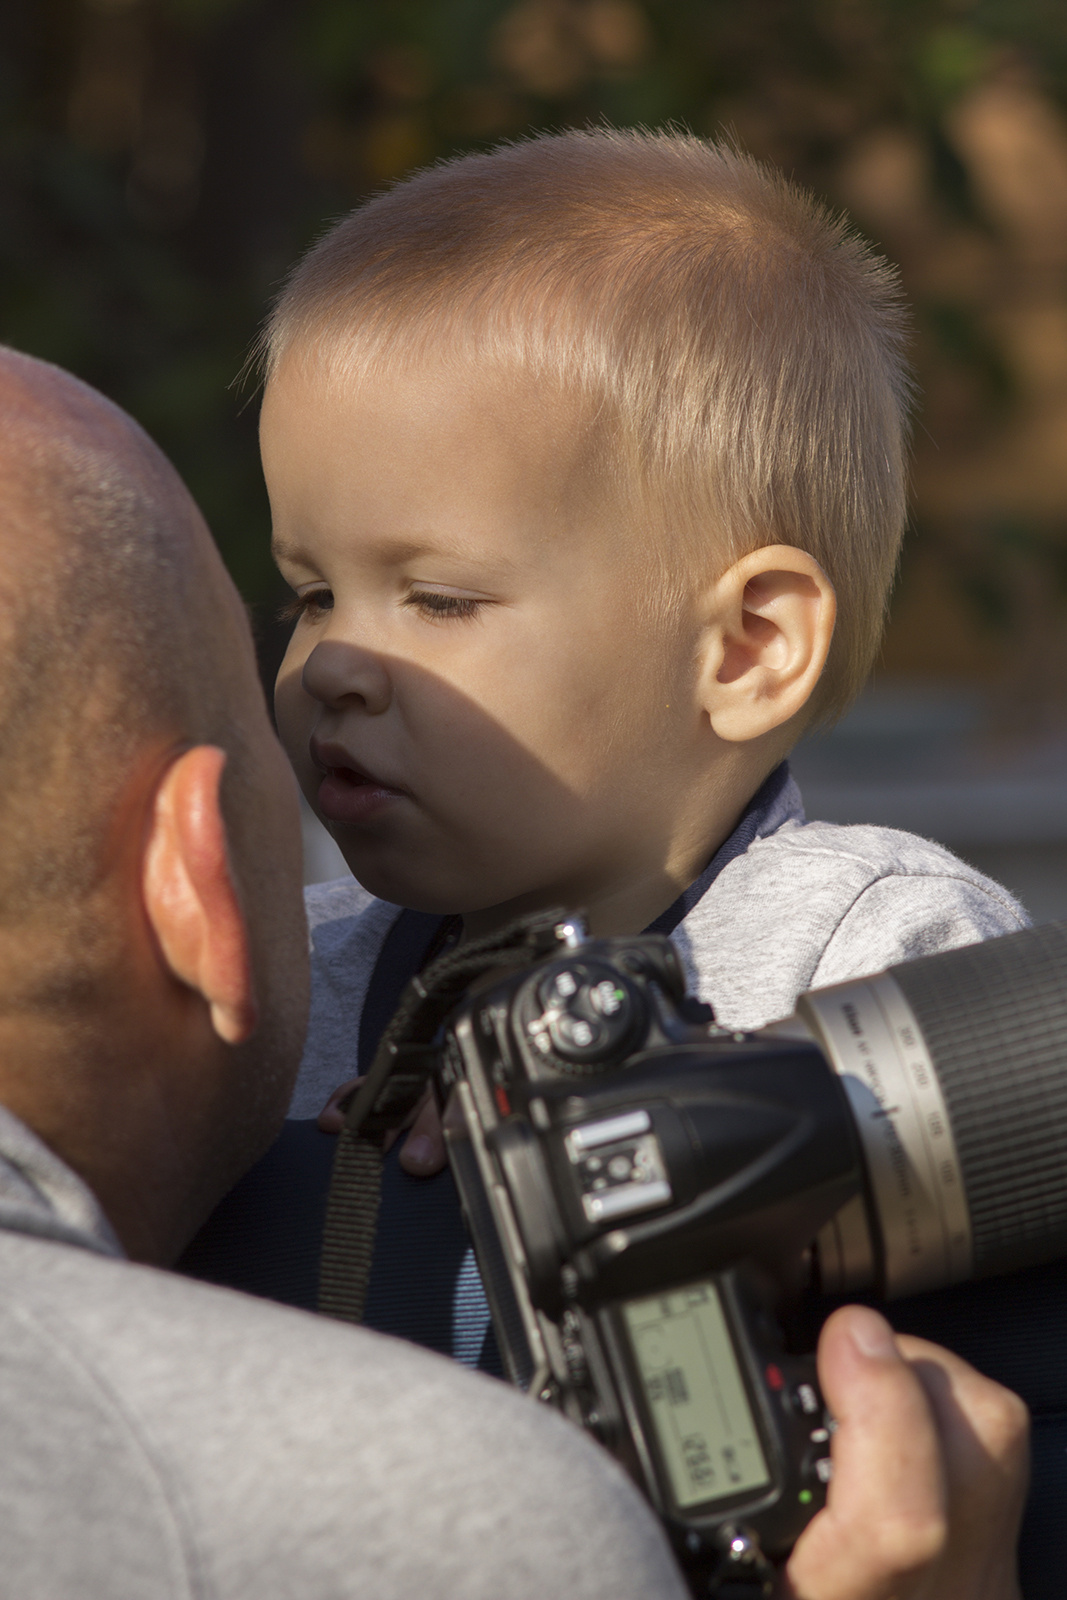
column 189, row 894
column 770, row 623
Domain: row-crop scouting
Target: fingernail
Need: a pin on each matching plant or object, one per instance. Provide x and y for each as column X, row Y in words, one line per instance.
column 419, row 1150
column 871, row 1334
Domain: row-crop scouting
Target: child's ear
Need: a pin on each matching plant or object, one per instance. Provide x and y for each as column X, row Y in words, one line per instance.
column 189, row 893
column 770, row 621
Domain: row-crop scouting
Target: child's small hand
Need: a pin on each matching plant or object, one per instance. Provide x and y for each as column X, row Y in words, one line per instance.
column 423, row 1153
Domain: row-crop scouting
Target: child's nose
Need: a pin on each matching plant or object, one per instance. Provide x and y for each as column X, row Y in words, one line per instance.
column 337, row 673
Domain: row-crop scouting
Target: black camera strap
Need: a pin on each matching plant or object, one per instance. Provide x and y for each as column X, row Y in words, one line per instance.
column 390, row 1091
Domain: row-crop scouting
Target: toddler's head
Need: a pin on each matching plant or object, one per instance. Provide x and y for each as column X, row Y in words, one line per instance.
column 569, row 448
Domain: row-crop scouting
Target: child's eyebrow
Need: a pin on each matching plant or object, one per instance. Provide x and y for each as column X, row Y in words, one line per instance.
column 281, row 550
column 400, row 551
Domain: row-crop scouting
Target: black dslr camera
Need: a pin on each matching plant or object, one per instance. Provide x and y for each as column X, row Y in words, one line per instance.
column 643, row 1188
column 636, row 1186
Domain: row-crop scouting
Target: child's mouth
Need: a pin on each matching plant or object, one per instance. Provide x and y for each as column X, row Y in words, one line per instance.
column 349, row 796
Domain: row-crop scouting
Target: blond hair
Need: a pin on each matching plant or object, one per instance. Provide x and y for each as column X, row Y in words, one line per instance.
column 742, row 349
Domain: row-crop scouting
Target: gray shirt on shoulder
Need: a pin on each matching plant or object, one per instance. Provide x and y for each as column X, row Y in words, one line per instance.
column 164, row 1438
column 786, row 905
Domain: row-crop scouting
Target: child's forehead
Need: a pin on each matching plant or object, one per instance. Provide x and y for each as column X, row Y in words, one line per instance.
column 443, row 377
column 443, row 460
column 492, row 420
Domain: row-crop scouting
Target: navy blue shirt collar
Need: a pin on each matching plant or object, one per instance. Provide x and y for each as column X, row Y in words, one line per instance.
column 769, row 807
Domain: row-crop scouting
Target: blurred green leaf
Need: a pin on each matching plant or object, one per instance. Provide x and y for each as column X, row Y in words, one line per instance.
column 951, row 60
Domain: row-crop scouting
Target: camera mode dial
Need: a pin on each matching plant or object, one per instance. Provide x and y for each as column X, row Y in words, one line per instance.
column 588, row 1013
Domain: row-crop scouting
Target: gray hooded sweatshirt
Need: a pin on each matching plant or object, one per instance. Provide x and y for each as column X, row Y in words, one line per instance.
column 160, row 1438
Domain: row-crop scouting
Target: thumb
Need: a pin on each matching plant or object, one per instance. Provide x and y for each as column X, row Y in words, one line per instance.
column 886, row 1514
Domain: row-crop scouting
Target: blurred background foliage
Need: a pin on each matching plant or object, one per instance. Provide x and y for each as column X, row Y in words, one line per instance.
column 163, row 161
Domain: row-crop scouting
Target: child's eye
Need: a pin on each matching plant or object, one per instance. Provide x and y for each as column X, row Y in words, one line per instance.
column 313, row 604
column 439, row 607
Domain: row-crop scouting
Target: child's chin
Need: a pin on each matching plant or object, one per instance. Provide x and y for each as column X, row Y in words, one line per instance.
column 398, row 888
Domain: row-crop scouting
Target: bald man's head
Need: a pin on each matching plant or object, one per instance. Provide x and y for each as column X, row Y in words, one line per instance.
column 121, row 639
column 153, row 960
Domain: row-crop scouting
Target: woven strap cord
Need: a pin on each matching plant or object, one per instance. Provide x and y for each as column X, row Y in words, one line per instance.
column 403, row 1065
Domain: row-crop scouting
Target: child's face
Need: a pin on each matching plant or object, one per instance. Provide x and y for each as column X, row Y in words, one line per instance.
column 478, row 698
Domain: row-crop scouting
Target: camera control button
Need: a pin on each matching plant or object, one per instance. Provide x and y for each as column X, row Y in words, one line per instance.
column 817, row 1466
column 588, row 1012
column 807, row 1401
column 577, row 1031
column 607, row 997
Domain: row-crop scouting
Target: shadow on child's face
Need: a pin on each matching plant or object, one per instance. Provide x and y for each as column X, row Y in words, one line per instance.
column 542, row 797
column 476, row 633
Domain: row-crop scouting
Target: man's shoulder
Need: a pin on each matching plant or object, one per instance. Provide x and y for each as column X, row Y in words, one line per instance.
column 85, row 1506
column 816, row 902
column 176, row 1439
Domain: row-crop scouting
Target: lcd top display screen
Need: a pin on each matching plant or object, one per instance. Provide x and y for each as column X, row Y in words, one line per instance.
column 696, row 1396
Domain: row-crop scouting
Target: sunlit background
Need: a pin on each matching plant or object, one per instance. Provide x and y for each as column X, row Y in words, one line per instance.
column 163, row 161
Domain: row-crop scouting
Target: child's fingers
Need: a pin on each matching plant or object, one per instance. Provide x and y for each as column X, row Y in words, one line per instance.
column 331, row 1118
column 423, row 1151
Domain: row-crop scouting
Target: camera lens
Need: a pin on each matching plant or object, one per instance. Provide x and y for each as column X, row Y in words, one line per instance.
column 954, row 1066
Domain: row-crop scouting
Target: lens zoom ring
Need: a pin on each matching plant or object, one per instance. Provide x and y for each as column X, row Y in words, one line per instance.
column 994, row 1017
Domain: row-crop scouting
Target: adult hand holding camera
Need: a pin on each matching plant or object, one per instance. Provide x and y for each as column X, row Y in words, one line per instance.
column 930, row 1474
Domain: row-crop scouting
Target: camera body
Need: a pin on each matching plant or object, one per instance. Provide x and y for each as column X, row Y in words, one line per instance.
column 640, row 1187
